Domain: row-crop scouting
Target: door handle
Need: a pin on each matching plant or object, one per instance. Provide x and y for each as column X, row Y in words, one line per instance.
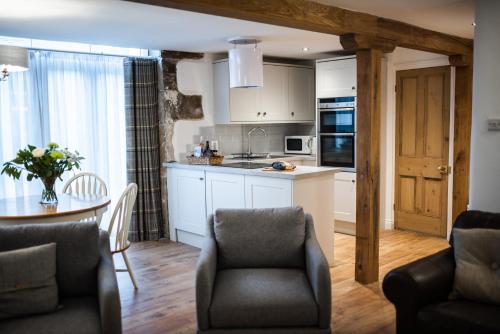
column 444, row 169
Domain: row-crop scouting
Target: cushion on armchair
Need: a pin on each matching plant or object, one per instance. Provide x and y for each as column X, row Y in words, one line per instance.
column 477, row 257
column 260, row 238
column 28, row 281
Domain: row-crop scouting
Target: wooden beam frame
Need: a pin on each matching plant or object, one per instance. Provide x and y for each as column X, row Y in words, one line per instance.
column 462, row 133
column 368, row 164
column 313, row 16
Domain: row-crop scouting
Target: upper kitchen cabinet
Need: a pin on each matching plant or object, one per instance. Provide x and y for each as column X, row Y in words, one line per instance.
column 336, row 77
column 287, row 96
column 301, row 94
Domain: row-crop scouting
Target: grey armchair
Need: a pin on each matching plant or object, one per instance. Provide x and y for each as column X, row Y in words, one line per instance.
column 88, row 290
column 262, row 271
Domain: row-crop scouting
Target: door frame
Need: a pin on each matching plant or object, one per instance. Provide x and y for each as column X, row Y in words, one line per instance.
column 389, row 116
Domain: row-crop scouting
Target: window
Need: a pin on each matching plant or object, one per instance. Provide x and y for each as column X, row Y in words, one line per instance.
column 76, row 100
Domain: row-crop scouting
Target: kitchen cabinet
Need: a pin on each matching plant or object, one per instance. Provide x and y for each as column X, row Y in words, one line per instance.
column 275, row 93
column 195, row 192
column 336, row 77
column 345, row 197
column 265, row 192
column 301, row 100
column 286, row 97
column 186, row 201
column 224, row 191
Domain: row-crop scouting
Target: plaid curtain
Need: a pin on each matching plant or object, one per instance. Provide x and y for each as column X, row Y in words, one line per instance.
column 143, row 147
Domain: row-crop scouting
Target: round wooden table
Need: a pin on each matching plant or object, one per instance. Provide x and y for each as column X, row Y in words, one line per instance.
column 28, row 210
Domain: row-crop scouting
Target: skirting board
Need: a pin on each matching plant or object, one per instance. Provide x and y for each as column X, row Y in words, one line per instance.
column 350, row 228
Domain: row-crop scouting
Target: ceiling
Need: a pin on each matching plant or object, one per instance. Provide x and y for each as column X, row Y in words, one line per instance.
column 126, row 24
column 453, row 17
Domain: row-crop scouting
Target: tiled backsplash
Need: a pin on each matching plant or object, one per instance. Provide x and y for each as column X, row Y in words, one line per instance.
column 234, row 138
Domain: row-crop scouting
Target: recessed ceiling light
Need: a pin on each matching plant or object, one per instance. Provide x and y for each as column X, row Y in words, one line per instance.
column 305, row 49
column 473, row 24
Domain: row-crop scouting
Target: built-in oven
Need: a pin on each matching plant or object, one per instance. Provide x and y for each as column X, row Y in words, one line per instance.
column 337, row 132
column 337, row 115
column 338, row 150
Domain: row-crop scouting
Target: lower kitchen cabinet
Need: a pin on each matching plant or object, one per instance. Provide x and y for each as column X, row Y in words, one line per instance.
column 224, row 191
column 186, row 202
column 194, row 194
column 345, row 202
column 265, row 192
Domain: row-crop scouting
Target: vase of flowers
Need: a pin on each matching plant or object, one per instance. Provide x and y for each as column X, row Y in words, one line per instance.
column 46, row 164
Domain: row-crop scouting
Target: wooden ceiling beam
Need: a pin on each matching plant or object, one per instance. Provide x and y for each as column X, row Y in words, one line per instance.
column 313, row 16
column 356, row 42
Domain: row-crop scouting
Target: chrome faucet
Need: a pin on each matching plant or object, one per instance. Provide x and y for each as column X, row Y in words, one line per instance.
column 249, row 152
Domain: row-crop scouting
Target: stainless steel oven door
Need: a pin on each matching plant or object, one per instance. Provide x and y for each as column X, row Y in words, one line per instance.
column 338, row 150
column 337, row 120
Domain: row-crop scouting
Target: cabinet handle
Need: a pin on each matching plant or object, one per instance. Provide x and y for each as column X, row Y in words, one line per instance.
column 353, row 181
column 293, row 114
column 353, row 88
column 201, row 179
column 258, row 114
column 264, row 114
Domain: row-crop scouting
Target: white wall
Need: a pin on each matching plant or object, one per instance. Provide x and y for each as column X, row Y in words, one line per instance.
column 194, row 77
column 400, row 59
column 485, row 145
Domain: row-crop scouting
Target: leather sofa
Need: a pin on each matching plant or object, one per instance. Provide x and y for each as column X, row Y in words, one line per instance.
column 420, row 291
column 262, row 271
column 88, row 290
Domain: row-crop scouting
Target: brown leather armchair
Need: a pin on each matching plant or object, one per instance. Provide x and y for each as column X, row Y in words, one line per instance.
column 420, row 290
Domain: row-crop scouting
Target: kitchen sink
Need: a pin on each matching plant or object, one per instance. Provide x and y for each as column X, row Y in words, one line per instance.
column 246, row 165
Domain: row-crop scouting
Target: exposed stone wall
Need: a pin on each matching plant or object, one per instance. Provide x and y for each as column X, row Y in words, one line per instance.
column 173, row 106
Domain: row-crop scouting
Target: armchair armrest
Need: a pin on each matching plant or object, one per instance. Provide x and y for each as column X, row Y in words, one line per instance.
column 318, row 273
column 417, row 284
column 205, row 276
column 107, row 289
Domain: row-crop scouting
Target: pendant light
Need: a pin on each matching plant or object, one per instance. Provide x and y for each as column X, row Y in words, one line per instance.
column 245, row 63
column 12, row 59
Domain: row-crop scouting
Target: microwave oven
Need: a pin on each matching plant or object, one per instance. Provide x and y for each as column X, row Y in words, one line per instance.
column 300, row 145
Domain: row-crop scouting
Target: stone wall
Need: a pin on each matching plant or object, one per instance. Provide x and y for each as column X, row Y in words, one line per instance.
column 173, row 106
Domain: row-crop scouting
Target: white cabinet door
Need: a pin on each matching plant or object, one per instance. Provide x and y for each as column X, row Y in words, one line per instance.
column 275, row 93
column 245, row 104
column 186, row 200
column 267, row 192
column 224, row 191
column 345, row 197
column 336, row 78
column 301, row 104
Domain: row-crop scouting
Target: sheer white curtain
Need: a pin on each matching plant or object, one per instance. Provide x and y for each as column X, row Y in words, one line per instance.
column 76, row 100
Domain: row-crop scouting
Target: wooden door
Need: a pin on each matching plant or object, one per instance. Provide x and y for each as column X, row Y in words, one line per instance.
column 422, row 143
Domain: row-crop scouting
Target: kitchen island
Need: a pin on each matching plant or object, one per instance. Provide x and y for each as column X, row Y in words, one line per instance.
column 196, row 191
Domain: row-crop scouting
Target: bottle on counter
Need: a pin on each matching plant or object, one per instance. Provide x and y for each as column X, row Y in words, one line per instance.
column 207, row 152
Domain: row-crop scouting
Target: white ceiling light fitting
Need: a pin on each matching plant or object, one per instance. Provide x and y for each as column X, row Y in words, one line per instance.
column 12, row 59
column 245, row 63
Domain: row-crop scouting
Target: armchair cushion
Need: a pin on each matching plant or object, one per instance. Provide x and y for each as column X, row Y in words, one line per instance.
column 262, row 298
column 459, row 317
column 28, row 281
column 260, row 238
column 77, row 252
column 77, row 316
column 477, row 272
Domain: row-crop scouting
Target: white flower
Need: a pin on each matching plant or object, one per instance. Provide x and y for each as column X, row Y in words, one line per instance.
column 38, row 152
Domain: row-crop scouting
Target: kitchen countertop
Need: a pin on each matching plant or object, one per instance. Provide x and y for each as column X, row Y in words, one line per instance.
column 300, row 172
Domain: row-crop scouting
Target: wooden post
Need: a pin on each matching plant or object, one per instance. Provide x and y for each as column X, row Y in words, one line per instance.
column 368, row 165
column 461, row 144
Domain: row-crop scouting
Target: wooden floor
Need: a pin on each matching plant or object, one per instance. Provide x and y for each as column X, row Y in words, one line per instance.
column 165, row 301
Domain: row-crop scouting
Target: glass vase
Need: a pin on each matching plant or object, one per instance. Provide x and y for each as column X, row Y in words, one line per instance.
column 49, row 195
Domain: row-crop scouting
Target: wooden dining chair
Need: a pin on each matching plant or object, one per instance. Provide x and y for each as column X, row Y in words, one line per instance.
column 86, row 183
column 119, row 226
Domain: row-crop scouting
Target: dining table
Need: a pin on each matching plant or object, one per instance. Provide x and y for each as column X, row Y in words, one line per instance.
column 69, row 208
